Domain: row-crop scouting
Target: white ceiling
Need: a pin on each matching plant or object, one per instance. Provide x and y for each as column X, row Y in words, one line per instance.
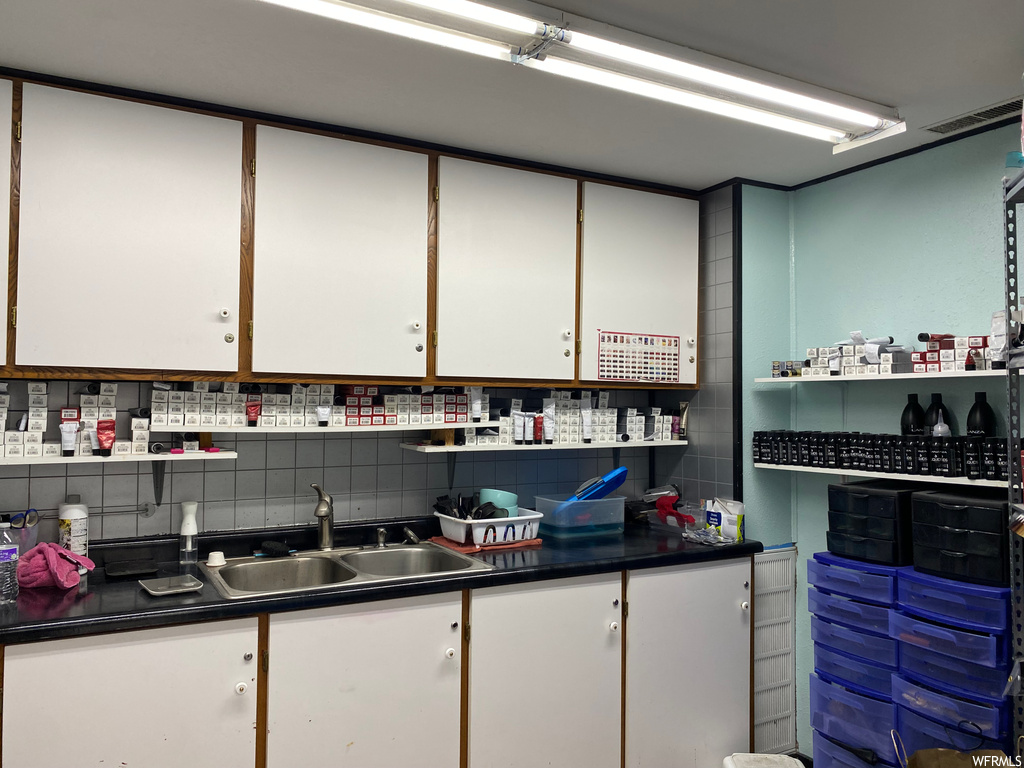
column 932, row 59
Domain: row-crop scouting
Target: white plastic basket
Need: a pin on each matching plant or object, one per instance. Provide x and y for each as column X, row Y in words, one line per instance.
column 487, row 533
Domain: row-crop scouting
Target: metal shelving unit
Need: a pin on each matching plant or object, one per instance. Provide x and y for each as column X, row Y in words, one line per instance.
column 890, row 377
column 1013, row 196
column 887, row 476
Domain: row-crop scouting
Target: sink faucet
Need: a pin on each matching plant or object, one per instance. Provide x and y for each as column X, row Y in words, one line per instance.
column 382, row 535
column 324, row 514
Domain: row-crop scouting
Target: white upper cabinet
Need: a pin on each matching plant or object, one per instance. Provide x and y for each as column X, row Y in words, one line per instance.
column 129, row 235
column 506, row 304
column 340, row 257
column 639, row 286
column 6, row 107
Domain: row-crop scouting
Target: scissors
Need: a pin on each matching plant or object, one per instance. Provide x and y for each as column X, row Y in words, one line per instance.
column 25, row 519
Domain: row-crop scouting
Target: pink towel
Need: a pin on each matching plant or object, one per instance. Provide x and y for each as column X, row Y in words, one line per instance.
column 50, row 565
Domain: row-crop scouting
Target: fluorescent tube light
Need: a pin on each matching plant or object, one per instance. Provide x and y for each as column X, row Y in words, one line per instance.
column 395, row 26
column 683, row 98
column 465, row 9
column 731, row 83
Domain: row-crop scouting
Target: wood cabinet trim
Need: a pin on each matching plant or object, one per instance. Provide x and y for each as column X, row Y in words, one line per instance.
column 433, row 204
column 246, row 276
column 262, row 687
column 15, row 219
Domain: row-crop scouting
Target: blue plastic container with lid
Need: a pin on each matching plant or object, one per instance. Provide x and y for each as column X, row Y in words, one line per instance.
column 881, row 650
column 970, row 606
column 851, row 578
column 856, row 674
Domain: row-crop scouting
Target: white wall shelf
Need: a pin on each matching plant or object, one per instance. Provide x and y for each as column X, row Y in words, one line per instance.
column 307, row 430
column 553, row 447
column 888, row 476
column 890, row 377
column 129, row 458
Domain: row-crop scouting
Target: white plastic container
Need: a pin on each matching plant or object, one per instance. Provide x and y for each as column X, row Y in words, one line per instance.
column 487, row 533
column 746, row 760
column 73, row 523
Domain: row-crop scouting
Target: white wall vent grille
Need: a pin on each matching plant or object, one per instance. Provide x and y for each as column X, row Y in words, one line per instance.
column 774, row 651
column 979, row 117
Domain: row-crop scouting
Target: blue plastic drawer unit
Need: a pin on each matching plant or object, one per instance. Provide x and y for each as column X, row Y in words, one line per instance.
column 918, row 732
column 961, row 677
column 954, row 602
column 862, row 616
column 828, row 754
column 856, row 674
column 861, row 581
column 874, row 648
column 989, row 720
column 987, row 650
column 859, row 721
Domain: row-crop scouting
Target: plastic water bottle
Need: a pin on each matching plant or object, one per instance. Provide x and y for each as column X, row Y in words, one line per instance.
column 8, row 565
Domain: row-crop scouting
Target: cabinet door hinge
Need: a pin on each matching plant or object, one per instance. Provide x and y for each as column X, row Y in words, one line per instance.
column 252, row 166
column 437, row 193
column 435, row 338
column 581, row 215
column 579, row 347
column 265, row 661
column 465, row 633
column 250, row 330
column 14, row 317
column 17, row 131
column 625, row 608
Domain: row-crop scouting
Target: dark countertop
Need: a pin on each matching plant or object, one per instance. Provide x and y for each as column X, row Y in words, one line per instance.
column 101, row 604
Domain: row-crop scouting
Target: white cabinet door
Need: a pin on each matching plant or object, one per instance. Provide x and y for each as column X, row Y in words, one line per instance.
column 545, row 679
column 368, row 685
column 129, row 235
column 638, row 292
column 6, row 109
column 688, row 665
column 506, row 282
column 159, row 698
column 340, row 257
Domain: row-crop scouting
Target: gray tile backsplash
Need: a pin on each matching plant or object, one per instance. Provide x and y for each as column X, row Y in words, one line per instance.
column 368, row 474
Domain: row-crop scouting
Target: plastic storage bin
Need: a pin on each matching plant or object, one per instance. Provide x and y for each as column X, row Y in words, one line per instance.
column 990, row 721
column 862, row 525
column 828, row 754
column 961, row 677
column 874, row 584
column 847, row 717
column 991, row 651
column 581, row 519
column 954, row 602
column 979, row 569
column 869, row 618
column 880, row 650
column 861, row 548
column 501, row 530
column 918, row 732
column 979, row 511
column 886, row 499
column 856, row 674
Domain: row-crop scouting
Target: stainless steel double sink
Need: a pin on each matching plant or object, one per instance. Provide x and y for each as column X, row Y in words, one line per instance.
column 306, row 571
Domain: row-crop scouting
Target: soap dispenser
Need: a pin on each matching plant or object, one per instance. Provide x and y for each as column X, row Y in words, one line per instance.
column 912, row 420
column 981, row 420
column 189, row 541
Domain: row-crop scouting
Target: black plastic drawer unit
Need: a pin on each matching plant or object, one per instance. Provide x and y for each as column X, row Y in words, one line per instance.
column 962, row 536
column 871, row 521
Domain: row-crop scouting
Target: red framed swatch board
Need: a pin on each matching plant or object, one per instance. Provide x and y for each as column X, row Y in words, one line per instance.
column 637, row 357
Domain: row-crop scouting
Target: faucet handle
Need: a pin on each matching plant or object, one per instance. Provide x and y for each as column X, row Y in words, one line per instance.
column 382, row 536
column 324, row 496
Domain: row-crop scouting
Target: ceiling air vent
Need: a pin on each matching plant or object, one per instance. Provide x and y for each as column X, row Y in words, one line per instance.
column 979, row 117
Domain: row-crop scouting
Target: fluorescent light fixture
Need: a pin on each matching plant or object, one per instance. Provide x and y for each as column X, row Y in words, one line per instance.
column 683, row 98
column 395, row 26
column 498, row 34
column 465, row 9
column 731, row 83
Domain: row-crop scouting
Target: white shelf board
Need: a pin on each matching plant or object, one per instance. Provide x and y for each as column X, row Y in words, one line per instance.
column 879, row 377
column 888, row 475
column 132, row 457
column 552, row 447
column 300, row 430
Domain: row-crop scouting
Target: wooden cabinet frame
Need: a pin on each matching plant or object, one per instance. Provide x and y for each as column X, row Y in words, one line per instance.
column 249, row 175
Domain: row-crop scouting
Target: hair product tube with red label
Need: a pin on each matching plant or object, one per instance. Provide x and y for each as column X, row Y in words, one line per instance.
column 105, row 434
column 538, row 429
column 252, row 413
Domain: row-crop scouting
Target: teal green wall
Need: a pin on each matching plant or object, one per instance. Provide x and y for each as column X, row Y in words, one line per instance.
column 907, row 246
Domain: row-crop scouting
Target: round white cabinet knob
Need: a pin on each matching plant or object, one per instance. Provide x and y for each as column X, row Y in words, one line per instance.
column 450, row 653
column 225, row 312
column 241, row 688
column 745, row 605
column 416, row 325
column 614, row 626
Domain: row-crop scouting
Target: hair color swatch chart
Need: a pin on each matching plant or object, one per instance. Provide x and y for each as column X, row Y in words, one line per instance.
column 637, row 357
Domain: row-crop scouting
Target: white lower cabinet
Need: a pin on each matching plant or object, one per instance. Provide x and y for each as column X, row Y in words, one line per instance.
column 545, row 677
column 688, row 664
column 153, row 697
column 368, row 685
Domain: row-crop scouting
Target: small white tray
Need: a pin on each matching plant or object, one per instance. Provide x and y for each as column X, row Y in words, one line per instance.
column 486, row 533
